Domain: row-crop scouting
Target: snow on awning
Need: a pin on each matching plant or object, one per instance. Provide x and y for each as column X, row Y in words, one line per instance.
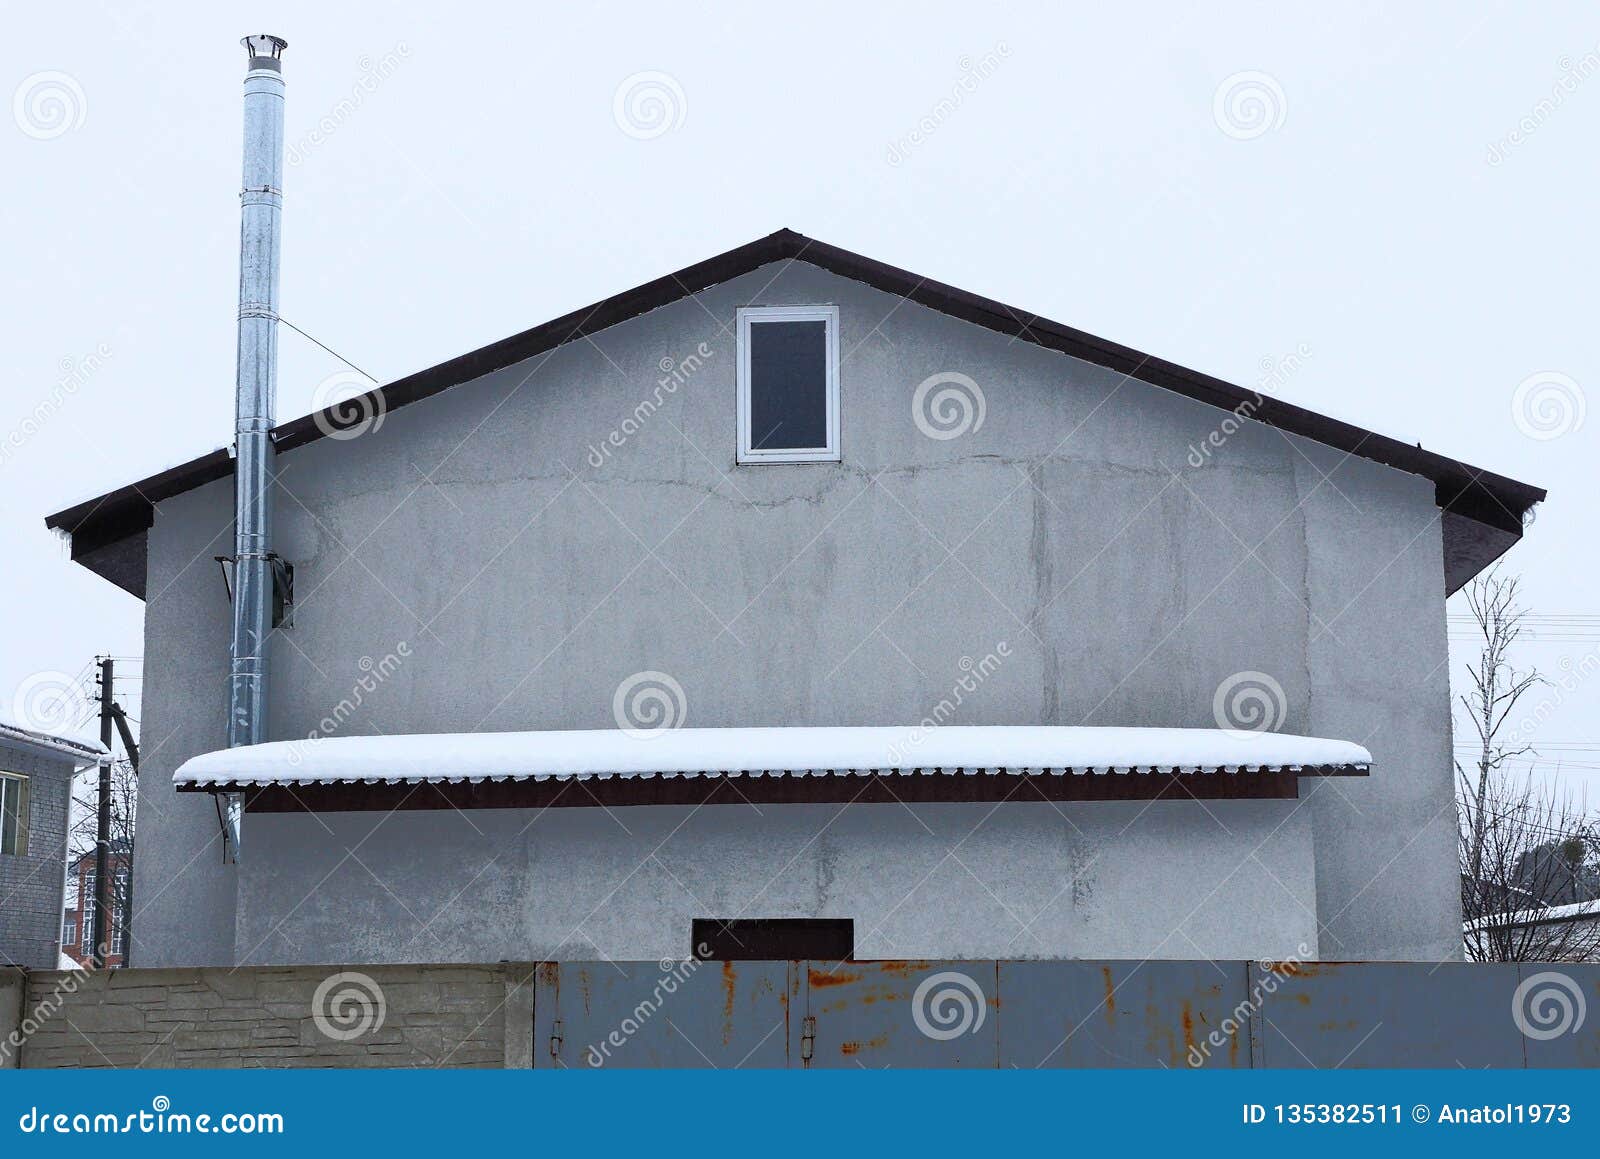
column 691, row 752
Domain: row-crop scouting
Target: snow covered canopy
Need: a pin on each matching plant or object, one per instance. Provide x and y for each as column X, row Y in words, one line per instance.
column 607, row 754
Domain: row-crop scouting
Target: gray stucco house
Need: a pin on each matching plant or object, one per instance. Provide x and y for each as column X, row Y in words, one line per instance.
column 792, row 489
column 36, row 770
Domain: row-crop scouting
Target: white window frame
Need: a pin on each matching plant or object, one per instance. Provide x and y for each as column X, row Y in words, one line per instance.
column 18, row 787
column 758, row 315
column 87, row 904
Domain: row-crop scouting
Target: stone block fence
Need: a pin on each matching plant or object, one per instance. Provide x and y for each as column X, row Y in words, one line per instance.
column 298, row 1016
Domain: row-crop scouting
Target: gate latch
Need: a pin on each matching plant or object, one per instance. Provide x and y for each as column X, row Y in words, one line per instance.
column 808, row 1037
column 555, row 1039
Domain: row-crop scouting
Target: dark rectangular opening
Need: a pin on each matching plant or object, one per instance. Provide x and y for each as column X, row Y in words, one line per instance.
column 788, row 386
column 767, row 939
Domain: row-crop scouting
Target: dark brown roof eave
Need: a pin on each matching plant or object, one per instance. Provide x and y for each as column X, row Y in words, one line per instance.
column 1473, row 496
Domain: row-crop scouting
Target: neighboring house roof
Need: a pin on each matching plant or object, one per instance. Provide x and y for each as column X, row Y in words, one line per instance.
column 799, row 751
column 1548, row 916
column 1483, row 512
column 83, row 752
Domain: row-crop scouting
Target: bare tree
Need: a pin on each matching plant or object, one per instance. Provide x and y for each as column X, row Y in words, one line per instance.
column 1496, row 688
column 82, row 835
column 1523, row 846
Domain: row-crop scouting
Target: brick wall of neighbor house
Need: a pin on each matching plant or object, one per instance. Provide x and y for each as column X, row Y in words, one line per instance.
column 432, row 1016
column 1127, row 583
column 31, row 887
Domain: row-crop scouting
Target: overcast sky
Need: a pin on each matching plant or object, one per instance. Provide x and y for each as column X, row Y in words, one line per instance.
column 1404, row 192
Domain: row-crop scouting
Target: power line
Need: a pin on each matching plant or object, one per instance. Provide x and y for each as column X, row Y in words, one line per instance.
column 329, row 349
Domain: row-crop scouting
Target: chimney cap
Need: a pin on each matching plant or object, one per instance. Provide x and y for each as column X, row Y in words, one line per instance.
column 264, row 47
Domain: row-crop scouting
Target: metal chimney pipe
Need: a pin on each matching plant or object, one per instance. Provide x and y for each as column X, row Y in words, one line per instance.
column 260, row 228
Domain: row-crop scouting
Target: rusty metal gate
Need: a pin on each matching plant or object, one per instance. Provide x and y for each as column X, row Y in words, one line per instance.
column 1064, row 1014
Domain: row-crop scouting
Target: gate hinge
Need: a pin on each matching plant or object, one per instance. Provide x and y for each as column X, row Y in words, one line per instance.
column 555, row 1039
column 808, row 1036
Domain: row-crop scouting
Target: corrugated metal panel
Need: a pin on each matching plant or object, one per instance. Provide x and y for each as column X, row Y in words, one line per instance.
column 689, row 1014
column 1066, row 1014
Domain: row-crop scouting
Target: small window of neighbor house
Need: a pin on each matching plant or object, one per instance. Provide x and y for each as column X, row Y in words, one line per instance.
column 788, row 384
column 14, row 814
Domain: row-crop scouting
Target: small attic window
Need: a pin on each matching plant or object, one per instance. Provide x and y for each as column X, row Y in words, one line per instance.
column 789, row 384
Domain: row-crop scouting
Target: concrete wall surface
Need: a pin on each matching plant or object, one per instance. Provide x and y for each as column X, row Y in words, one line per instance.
column 539, row 535
column 1134, row 879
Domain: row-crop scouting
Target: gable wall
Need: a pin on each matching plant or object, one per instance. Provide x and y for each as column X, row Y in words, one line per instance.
column 528, row 570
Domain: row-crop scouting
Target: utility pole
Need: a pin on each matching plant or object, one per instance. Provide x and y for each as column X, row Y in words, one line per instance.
column 102, row 843
column 131, row 747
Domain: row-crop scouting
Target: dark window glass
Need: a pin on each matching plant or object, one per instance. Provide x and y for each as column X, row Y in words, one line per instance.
column 773, row 939
column 788, row 385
